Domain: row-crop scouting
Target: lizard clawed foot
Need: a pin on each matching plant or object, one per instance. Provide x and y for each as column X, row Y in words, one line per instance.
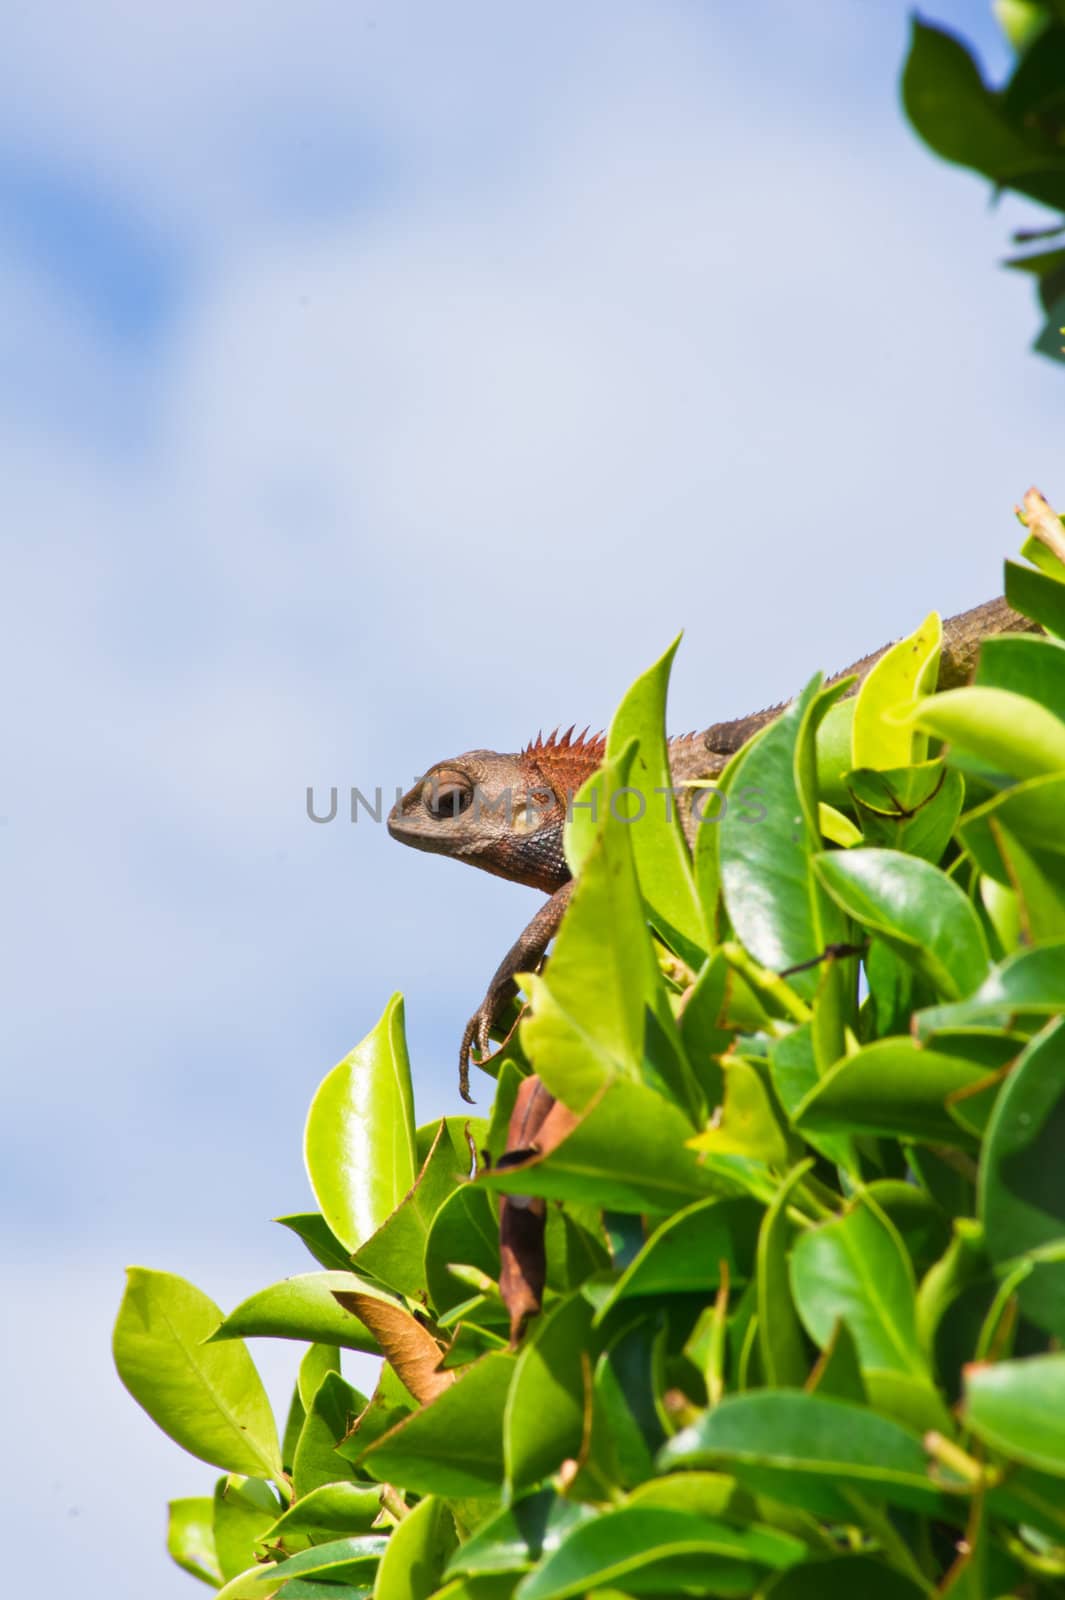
column 479, row 1028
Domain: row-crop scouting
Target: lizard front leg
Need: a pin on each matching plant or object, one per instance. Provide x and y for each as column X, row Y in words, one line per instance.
column 524, row 955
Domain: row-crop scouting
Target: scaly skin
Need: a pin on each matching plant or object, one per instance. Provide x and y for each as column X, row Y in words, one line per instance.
column 506, row 813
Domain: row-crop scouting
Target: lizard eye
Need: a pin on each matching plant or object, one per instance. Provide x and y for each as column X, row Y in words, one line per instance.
column 447, row 794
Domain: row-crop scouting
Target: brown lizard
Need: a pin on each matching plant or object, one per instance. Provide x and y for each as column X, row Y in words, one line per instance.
column 506, row 813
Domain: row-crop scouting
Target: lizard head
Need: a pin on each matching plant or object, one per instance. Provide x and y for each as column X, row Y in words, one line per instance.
column 502, row 813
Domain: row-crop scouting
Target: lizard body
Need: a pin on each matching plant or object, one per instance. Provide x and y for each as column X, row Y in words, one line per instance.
column 506, row 813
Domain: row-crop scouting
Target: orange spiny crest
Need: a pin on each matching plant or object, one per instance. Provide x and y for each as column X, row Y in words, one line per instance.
column 566, row 759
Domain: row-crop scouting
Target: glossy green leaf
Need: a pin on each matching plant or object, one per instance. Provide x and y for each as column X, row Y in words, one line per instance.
column 359, row 1142
column 1004, row 731
column 1025, row 665
column 517, row 1538
column 916, row 909
column 634, row 1542
column 1037, row 596
column 903, row 675
column 794, row 1072
column 663, row 863
column 1022, row 1174
column 780, row 1340
column 395, row 1255
column 321, row 1241
column 841, row 1578
column 543, row 1423
column 303, row 1307
column 685, row 1254
column 1018, row 1407
column 773, row 899
column 332, row 1511
column 244, row 1508
column 913, row 809
column 315, row 1365
column 454, row 1445
column 330, row 1418
column 745, row 1122
column 207, row 1397
column 331, row 1563
column 855, row 1269
column 627, row 1153
column 1028, row 983
column 190, row 1538
column 587, row 1016
column 891, row 1087
column 464, row 1231
column 413, row 1563
column 808, row 1451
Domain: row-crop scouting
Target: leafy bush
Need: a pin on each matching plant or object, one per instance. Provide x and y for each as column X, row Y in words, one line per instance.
column 805, row 1212
column 1013, row 136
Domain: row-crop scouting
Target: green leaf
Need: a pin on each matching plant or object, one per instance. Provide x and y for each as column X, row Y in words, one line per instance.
column 856, row 1269
column 1036, row 596
column 303, row 1307
column 780, row 1339
column 330, row 1418
column 416, row 1554
column 773, row 899
column 454, row 1445
column 1022, row 1176
column 893, row 1087
column 244, row 1508
column 962, row 120
column 1028, row 983
column 330, row 1563
column 1025, row 665
column 587, row 1018
column 807, row 1451
column 627, row 1153
column 321, row 1241
column 519, row 1536
column 663, row 863
column 1005, row 731
column 841, row 1578
column 208, row 1398
column 675, row 1547
column 333, row 1510
column 793, row 1068
column 465, row 1231
column 1018, row 1407
column 190, row 1538
column 543, row 1423
column 913, row 809
column 395, row 1255
column 904, row 675
column 359, row 1142
column 685, row 1254
column 916, row 909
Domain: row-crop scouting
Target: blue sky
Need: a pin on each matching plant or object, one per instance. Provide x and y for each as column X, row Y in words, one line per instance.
column 377, row 383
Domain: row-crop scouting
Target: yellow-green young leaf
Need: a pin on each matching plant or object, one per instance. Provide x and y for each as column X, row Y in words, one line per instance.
column 359, row 1144
column 662, row 860
column 588, row 1014
column 900, row 678
column 1009, row 733
column 837, row 828
column 416, row 1554
column 244, row 1508
column 855, row 1268
column 190, row 1538
column 1018, row 1407
column 207, row 1397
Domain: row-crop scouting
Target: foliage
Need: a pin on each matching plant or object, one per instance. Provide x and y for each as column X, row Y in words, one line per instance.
column 802, row 1330
column 1014, row 136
